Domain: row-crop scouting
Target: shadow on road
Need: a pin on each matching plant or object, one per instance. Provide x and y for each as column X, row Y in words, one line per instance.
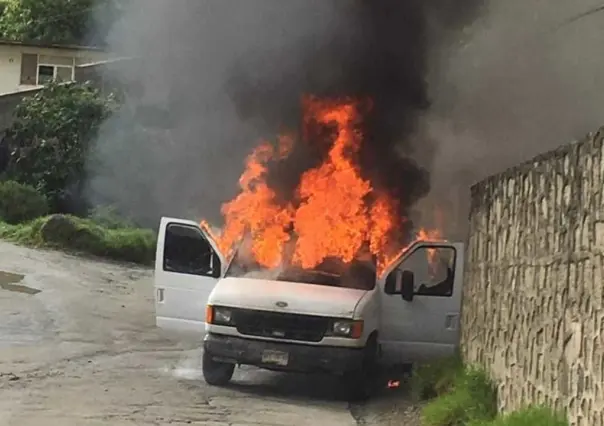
column 288, row 385
column 387, row 385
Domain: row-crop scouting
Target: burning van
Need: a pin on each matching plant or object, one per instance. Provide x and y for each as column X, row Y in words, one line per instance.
column 308, row 320
column 319, row 282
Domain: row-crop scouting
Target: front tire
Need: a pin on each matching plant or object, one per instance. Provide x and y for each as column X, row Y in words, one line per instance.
column 359, row 384
column 216, row 373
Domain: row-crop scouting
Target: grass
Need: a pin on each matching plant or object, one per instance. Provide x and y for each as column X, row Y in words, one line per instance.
column 456, row 395
column 530, row 416
column 84, row 236
column 470, row 396
column 434, row 379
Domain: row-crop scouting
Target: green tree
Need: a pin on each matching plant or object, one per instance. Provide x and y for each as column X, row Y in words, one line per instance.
column 50, row 139
column 59, row 21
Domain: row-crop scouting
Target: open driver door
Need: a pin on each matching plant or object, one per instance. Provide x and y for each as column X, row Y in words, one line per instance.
column 188, row 265
column 421, row 303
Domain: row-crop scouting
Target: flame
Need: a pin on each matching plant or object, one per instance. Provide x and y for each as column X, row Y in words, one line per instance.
column 336, row 212
column 332, row 219
column 429, row 235
column 256, row 211
column 393, row 384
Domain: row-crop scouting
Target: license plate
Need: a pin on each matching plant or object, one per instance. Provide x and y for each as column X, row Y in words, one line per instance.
column 275, row 357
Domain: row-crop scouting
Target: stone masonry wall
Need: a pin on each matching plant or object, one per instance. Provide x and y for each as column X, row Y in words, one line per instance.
column 533, row 311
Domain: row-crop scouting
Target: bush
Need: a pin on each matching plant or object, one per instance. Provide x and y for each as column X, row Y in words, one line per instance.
column 72, row 22
column 83, row 235
column 20, row 203
column 50, row 138
column 465, row 396
column 471, row 397
column 108, row 217
column 434, row 379
column 531, row 416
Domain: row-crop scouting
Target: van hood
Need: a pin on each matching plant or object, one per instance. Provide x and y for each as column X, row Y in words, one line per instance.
column 268, row 295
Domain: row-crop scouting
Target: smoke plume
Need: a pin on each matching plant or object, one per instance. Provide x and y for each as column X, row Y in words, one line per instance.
column 210, row 78
column 214, row 77
column 525, row 79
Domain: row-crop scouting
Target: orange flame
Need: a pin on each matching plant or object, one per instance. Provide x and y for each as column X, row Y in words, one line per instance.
column 332, row 219
column 256, row 211
column 336, row 214
column 429, row 235
column 393, row 384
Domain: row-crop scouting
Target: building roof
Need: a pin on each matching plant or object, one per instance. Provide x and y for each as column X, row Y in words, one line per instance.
column 110, row 61
column 6, row 42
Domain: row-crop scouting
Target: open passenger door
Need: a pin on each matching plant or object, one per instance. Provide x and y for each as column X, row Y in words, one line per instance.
column 421, row 303
column 187, row 267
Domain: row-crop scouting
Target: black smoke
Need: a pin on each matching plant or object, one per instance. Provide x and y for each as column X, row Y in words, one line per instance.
column 216, row 76
column 382, row 56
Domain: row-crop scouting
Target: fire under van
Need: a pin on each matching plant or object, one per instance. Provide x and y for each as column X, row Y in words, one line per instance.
column 307, row 321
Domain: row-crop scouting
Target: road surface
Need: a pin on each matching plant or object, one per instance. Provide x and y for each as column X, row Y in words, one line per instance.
column 78, row 346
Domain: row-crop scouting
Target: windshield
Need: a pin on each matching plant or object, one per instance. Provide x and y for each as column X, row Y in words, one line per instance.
column 357, row 275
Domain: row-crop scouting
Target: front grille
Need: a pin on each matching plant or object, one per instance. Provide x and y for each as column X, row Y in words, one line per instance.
column 278, row 325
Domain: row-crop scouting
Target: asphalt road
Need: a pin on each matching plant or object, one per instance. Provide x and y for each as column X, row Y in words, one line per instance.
column 78, row 346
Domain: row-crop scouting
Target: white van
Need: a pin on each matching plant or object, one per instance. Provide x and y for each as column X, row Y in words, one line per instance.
column 308, row 321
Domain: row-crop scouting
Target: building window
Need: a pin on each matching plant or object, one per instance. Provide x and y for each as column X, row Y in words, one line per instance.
column 38, row 70
column 64, row 73
column 46, row 74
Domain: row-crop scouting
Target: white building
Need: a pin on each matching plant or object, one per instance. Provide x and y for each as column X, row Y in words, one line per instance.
column 29, row 65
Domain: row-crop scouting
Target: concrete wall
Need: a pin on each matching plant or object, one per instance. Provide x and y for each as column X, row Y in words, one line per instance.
column 533, row 309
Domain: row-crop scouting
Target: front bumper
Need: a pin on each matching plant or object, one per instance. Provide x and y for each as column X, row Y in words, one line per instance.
column 300, row 357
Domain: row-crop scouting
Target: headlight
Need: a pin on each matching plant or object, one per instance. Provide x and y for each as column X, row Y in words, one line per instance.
column 219, row 315
column 223, row 316
column 346, row 328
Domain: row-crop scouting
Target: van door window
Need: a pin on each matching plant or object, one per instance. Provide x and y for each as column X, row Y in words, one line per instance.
column 187, row 251
column 433, row 270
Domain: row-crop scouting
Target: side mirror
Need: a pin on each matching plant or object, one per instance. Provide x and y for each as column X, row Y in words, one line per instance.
column 390, row 286
column 215, row 266
column 407, row 286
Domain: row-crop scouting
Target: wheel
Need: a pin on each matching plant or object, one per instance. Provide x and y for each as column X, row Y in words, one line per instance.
column 359, row 383
column 216, row 373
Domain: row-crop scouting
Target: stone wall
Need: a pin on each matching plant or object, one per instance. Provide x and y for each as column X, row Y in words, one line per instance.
column 533, row 311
